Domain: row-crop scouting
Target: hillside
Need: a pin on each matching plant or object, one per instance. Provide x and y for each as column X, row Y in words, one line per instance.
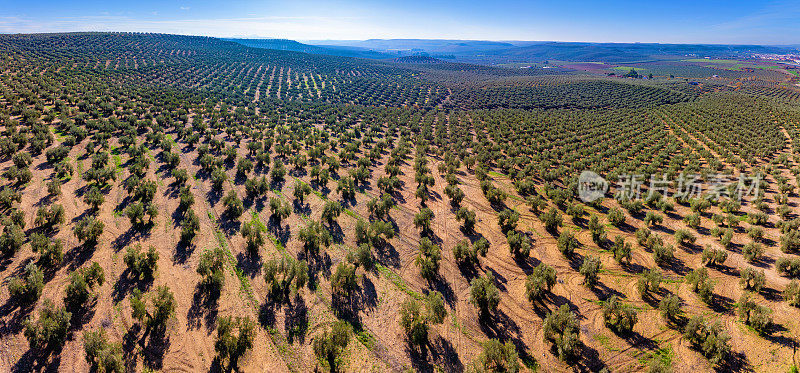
column 180, row 203
column 291, row 45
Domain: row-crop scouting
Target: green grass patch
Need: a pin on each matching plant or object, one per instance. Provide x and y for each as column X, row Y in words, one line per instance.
column 708, row 60
column 628, row 68
column 397, row 281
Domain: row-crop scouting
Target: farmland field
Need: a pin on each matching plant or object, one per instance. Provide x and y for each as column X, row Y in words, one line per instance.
column 181, row 203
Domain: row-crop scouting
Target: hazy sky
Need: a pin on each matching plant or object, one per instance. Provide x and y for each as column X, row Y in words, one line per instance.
column 679, row 21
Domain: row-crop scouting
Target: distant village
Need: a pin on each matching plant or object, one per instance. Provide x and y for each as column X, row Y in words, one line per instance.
column 792, row 60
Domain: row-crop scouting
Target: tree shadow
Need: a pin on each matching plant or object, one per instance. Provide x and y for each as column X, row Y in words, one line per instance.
column 125, row 284
column 183, row 250
column 154, row 348
column 39, row 361
column 444, row 354
column 367, row 297
column 780, row 339
column 387, row 254
column 735, row 362
column 296, row 320
column 78, row 255
column 250, row 264
column 229, row 223
column 203, row 308
column 337, row 234
column 281, row 233
column 16, row 321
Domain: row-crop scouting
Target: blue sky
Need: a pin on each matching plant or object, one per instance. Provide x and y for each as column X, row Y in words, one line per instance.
column 675, row 21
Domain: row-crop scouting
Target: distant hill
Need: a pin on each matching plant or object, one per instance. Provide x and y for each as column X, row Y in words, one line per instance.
column 618, row 52
column 294, row 46
column 494, row 52
column 416, row 59
column 416, row 46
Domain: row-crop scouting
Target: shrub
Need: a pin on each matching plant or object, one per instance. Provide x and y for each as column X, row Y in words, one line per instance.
column 455, row 194
column 576, row 211
column 54, row 187
column 329, row 346
column 364, row 258
column 518, row 244
column 757, row 218
column 540, row 282
column 12, row 239
column 218, row 177
column 598, row 231
column 684, row 237
column 186, row 199
column 160, row 310
column 561, row 329
column 253, row 234
column 415, row 323
column 692, row 220
column 701, row 284
column 233, row 204
column 103, row 355
column 484, row 294
column 189, row 226
column 468, row 217
column 616, row 217
column 284, row 276
column 752, row 314
column 621, row 250
column 235, row 336
column 428, row 258
column 142, row 265
column 670, row 307
column 756, row 233
column 467, row 254
column 792, row 293
column 79, row 293
column 343, row 280
column 314, row 236
column 379, row 207
column 714, row 257
column 211, row 268
column 331, row 211
column 752, row 251
column 51, row 218
column 49, row 331
column 552, row 219
column 790, row 241
column 507, row 220
column 535, row 202
column 590, row 269
column 27, row 289
column 649, row 282
column 51, row 252
column 422, row 220
column 651, row 218
column 280, row 209
column 643, row 236
column 301, row 190
column 663, row 253
column 498, row 357
column 88, row 230
column 710, row 339
column 788, row 267
column 567, row 243
column 181, row 176
column 618, row 316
